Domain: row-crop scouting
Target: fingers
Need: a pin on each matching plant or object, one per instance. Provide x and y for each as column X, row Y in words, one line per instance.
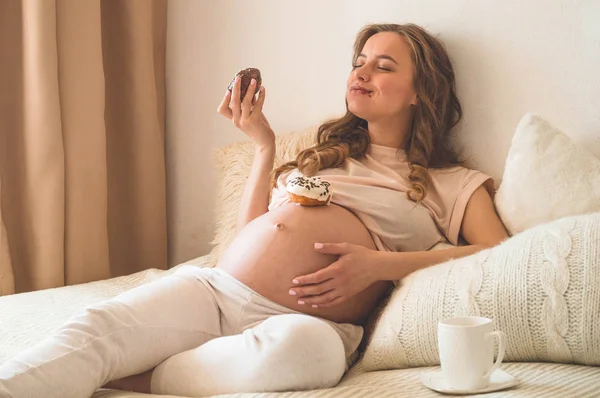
column 223, row 108
column 235, row 101
column 318, row 277
column 333, row 248
column 246, row 114
column 327, row 299
column 258, row 106
column 312, row 290
column 247, row 101
column 331, row 303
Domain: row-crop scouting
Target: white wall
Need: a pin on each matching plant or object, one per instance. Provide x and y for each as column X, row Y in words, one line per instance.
column 510, row 57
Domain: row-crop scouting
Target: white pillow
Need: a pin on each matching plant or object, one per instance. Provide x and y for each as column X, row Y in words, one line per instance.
column 546, row 177
column 541, row 287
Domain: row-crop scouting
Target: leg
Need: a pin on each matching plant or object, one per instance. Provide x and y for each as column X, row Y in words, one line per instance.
column 285, row 352
column 127, row 335
column 135, row 383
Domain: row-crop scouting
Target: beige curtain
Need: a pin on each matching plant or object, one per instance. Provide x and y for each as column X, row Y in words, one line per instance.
column 82, row 139
column 7, row 281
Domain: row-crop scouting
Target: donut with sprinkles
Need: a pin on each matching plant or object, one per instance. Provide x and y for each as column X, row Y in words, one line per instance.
column 309, row 191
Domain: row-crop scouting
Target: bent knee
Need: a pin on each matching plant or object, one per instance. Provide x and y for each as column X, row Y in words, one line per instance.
column 305, row 351
column 301, row 331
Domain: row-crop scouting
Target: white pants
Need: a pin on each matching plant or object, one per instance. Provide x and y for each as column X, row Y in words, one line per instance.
column 204, row 331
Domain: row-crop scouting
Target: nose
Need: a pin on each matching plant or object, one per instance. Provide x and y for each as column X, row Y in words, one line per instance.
column 362, row 74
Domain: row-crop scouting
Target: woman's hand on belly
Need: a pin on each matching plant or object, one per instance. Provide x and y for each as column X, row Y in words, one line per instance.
column 350, row 274
column 273, row 249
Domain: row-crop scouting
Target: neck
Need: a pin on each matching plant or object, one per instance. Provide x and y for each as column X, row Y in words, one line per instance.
column 391, row 132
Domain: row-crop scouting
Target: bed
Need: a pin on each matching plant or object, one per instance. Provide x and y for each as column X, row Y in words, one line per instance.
column 28, row 317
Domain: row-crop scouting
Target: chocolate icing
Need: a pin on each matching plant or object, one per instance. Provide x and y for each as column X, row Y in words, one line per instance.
column 246, row 76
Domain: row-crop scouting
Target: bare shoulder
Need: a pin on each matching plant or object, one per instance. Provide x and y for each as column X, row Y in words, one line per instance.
column 481, row 224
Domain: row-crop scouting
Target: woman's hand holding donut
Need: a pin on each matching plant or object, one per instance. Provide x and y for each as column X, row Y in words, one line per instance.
column 247, row 114
column 352, row 273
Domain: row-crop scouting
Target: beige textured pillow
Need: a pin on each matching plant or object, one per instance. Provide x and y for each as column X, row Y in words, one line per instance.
column 541, row 287
column 232, row 165
column 546, row 177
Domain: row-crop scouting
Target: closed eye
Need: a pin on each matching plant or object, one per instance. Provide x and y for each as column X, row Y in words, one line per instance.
column 379, row 67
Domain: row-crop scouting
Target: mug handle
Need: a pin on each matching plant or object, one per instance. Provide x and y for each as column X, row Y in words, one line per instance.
column 500, row 357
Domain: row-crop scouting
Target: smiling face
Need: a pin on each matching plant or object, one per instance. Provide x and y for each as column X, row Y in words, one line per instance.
column 381, row 83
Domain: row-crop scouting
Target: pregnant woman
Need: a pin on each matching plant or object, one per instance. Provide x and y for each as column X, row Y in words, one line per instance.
column 283, row 308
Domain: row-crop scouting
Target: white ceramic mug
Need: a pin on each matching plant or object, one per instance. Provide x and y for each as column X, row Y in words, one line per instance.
column 466, row 347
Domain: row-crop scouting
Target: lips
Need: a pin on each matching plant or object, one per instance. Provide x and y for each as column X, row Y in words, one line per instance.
column 360, row 90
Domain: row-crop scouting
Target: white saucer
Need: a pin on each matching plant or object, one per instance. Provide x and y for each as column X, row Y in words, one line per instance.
column 499, row 380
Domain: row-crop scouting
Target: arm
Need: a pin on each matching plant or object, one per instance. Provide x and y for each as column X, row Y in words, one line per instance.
column 246, row 114
column 481, row 228
column 358, row 267
column 255, row 199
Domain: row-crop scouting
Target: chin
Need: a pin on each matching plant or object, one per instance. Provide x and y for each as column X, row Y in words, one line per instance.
column 359, row 112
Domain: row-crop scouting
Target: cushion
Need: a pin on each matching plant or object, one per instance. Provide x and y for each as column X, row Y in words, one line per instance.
column 541, row 287
column 232, row 166
column 546, row 177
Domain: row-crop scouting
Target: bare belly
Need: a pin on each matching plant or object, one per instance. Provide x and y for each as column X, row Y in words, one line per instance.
column 273, row 249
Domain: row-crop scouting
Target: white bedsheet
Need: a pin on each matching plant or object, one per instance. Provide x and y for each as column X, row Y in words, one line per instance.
column 27, row 318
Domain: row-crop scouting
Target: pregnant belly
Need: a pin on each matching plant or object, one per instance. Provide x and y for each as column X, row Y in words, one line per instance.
column 273, row 249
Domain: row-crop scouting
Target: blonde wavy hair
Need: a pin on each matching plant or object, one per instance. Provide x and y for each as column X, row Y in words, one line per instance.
column 437, row 111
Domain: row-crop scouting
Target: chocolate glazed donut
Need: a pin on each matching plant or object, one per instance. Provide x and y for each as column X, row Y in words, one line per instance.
column 246, row 76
